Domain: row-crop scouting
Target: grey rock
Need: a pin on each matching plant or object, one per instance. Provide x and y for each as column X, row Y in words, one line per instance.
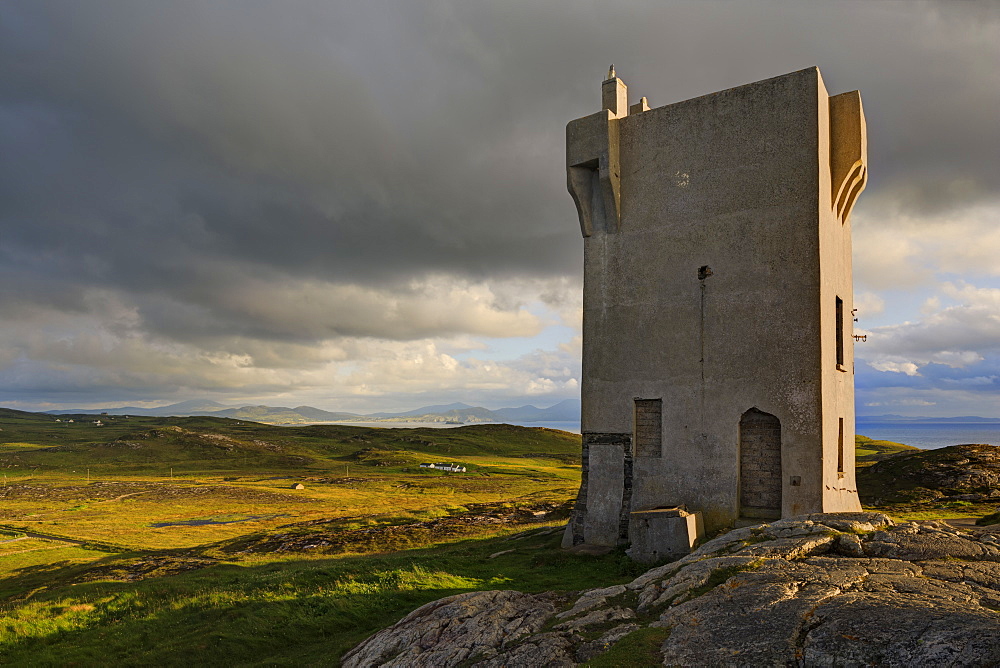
column 846, row 521
column 849, row 546
column 908, row 632
column 796, row 592
column 552, row 650
column 690, row 578
column 591, row 599
column 928, row 543
column 596, row 617
column 453, row 629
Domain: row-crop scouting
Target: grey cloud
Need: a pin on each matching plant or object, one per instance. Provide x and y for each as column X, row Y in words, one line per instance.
column 314, row 138
column 176, row 153
column 959, row 336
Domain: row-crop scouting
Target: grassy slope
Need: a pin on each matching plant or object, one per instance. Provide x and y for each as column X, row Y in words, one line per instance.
column 202, row 600
column 196, row 443
column 867, row 451
column 115, row 483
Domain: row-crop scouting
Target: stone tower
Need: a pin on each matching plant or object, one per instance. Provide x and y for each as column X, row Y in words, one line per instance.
column 718, row 366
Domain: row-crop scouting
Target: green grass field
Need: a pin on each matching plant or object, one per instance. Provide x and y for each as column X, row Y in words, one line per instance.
column 172, row 541
column 267, row 610
column 177, row 540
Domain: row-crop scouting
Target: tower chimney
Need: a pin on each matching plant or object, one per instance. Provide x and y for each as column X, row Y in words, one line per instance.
column 614, row 94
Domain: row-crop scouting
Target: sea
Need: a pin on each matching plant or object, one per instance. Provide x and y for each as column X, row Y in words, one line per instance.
column 930, row 435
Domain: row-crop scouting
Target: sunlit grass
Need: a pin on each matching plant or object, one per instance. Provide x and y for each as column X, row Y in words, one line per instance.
column 122, row 509
column 17, row 447
column 194, row 595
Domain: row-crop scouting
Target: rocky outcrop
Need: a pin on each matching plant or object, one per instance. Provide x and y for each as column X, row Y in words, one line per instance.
column 956, row 473
column 817, row 590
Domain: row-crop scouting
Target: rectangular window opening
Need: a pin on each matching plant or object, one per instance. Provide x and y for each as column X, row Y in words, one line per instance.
column 648, row 427
column 840, row 334
column 840, row 447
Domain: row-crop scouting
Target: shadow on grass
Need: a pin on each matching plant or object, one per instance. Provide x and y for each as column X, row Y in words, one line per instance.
column 295, row 610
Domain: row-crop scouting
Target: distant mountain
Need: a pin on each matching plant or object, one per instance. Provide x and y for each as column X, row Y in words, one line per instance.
column 564, row 411
column 195, row 405
column 881, row 418
column 281, row 414
column 183, row 408
column 469, row 414
column 439, row 409
column 320, row 415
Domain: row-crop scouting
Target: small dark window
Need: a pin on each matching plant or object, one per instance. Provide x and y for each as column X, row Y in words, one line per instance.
column 648, row 427
column 840, row 448
column 840, row 332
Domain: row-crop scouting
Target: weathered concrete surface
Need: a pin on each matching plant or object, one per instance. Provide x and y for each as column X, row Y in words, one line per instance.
column 816, row 590
column 663, row 533
column 717, row 247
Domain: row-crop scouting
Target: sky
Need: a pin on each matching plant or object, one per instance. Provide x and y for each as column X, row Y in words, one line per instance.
column 362, row 205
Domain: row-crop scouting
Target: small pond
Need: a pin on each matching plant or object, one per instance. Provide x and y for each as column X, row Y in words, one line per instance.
column 218, row 519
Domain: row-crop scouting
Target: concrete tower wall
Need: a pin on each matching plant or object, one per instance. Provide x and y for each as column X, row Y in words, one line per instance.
column 712, row 246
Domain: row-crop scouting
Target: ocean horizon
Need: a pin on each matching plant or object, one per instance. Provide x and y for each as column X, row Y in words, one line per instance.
column 929, row 435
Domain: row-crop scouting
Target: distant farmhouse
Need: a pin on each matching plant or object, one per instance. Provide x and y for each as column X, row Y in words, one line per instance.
column 449, row 468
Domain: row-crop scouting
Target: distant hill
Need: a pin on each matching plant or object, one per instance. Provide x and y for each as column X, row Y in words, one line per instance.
column 440, row 409
column 181, row 409
column 10, row 413
column 320, row 415
column 208, row 443
column 281, row 414
column 564, row 411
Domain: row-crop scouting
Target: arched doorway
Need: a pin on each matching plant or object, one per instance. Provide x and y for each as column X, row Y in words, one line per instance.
column 760, row 465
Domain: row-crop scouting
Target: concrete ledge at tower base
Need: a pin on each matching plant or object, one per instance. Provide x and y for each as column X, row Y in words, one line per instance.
column 663, row 533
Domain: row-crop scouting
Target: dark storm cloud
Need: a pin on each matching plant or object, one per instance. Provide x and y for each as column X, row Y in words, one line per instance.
column 372, row 141
column 159, row 137
column 181, row 155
